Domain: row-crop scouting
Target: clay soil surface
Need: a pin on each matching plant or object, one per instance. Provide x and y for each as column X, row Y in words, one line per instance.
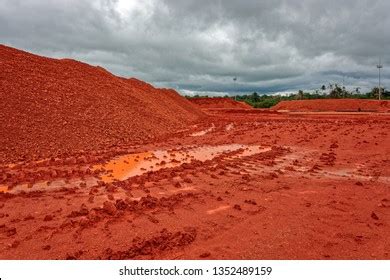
column 236, row 185
column 334, row 105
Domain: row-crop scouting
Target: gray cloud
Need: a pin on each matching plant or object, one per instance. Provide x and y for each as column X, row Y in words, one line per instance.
column 199, row 45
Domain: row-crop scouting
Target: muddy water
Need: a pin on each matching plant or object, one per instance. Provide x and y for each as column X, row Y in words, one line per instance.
column 203, row 132
column 218, row 209
column 126, row 166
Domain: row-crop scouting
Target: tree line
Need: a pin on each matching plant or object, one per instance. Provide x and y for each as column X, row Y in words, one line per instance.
column 332, row 91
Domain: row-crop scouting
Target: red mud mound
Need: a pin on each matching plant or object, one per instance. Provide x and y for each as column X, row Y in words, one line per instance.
column 341, row 105
column 51, row 106
column 219, row 103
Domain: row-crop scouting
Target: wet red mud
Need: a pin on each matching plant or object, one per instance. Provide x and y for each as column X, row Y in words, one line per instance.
column 320, row 192
column 230, row 184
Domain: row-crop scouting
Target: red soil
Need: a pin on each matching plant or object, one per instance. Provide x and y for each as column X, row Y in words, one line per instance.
column 341, row 105
column 51, row 107
column 321, row 192
column 219, row 103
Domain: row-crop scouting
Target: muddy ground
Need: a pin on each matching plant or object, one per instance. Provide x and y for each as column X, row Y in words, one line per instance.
column 239, row 185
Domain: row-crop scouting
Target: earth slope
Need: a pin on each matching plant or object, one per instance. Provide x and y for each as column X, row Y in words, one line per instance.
column 53, row 106
column 219, row 103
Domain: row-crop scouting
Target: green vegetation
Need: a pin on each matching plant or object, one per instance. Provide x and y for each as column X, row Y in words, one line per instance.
column 332, row 91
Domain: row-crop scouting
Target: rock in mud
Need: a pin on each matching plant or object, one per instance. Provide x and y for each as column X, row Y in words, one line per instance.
column 10, row 232
column 109, row 208
column 374, row 216
column 205, row 255
column 237, row 207
column 121, row 204
column 48, row 218
column 46, row 247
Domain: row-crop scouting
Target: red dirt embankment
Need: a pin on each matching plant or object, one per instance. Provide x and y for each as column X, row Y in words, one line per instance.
column 219, row 103
column 54, row 106
column 341, row 105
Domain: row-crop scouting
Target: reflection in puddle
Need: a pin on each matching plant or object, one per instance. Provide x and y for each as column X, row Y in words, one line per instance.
column 123, row 167
column 126, row 166
column 3, row 189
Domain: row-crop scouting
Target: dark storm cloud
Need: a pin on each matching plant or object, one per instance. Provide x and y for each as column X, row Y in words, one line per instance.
column 199, row 46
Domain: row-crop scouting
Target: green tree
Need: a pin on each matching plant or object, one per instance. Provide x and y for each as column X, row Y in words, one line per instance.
column 300, row 94
column 375, row 92
column 255, row 97
column 357, row 90
column 335, row 91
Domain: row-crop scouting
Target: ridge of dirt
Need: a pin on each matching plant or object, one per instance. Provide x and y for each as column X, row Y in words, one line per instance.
column 341, row 105
column 219, row 103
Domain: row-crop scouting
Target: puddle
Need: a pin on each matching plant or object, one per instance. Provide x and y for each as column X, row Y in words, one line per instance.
column 185, row 189
column 352, row 174
column 204, row 132
column 124, row 167
column 219, row 209
column 3, row 189
column 54, row 185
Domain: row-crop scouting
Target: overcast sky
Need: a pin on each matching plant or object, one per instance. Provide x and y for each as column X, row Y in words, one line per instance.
column 198, row 46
